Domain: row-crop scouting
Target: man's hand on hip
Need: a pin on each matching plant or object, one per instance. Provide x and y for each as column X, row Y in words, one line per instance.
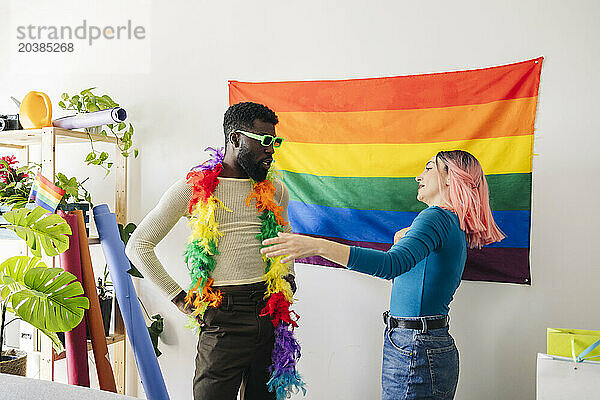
column 187, row 309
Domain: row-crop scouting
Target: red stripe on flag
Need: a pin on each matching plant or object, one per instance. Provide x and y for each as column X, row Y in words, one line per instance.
column 479, row 86
column 49, row 186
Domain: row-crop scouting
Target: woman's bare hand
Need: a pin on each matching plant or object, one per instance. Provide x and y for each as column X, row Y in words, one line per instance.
column 290, row 245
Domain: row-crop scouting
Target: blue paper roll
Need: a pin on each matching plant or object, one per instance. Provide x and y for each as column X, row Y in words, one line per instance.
column 118, row 264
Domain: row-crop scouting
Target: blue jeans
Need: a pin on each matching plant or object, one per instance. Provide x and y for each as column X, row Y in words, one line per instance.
column 419, row 365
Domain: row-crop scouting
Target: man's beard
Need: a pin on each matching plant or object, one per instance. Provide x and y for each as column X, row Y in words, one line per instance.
column 250, row 166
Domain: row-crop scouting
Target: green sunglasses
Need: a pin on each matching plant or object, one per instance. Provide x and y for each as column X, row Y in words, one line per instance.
column 265, row 140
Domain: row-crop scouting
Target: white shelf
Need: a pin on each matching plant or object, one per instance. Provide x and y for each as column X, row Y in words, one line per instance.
column 20, row 139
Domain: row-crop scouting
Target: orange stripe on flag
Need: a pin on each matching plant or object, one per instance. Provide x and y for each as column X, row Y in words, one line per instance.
column 48, row 186
column 483, row 121
column 42, row 187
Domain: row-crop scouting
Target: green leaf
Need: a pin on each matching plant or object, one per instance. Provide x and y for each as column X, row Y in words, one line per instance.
column 50, row 292
column 5, row 291
column 40, row 231
column 126, row 231
column 110, row 101
column 64, row 96
column 102, row 102
column 56, row 343
column 133, row 271
column 91, row 107
column 155, row 329
column 135, row 153
column 62, row 104
column 12, row 272
column 103, row 156
column 87, row 90
column 90, row 156
column 121, row 126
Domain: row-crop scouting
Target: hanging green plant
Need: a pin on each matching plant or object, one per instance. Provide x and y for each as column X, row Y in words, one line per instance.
column 87, row 101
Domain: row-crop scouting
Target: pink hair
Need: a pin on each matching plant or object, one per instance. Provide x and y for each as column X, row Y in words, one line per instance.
column 468, row 196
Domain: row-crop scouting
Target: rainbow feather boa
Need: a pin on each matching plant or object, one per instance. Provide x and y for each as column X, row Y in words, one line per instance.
column 199, row 256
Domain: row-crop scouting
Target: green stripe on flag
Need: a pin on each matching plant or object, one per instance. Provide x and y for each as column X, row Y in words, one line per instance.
column 507, row 192
column 51, row 201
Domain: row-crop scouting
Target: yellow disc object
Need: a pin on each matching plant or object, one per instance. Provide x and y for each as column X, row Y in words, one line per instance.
column 35, row 111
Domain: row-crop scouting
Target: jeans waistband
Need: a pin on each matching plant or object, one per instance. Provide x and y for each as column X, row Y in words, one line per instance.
column 241, row 290
column 426, row 317
column 423, row 323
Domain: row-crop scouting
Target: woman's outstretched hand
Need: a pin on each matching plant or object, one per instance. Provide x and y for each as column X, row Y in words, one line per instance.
column 291, row 245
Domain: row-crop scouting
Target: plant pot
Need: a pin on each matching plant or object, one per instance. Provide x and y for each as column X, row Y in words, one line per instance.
column 13, row 362
column 85, row 207
column 106, row 311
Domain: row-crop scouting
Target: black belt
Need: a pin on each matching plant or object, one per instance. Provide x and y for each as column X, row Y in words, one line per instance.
column 423, row 324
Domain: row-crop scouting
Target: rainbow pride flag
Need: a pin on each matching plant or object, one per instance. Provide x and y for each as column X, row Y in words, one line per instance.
column 353, row 148
column 45, row 194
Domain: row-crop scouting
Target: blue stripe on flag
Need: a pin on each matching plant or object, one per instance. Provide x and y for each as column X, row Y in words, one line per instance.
column 380, row 226
column 42, row 204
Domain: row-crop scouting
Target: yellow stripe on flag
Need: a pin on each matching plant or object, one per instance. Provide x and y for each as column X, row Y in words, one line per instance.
column 505, row 155
column 48, row 191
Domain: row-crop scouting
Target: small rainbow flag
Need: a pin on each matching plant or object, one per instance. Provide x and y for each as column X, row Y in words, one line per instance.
column 45, row 194
column 353, row 148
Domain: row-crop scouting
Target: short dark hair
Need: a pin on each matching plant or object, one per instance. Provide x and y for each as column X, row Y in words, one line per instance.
column 242, row 116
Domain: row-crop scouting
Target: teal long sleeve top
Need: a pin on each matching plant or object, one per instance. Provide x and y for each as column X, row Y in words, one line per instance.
column 426, row 265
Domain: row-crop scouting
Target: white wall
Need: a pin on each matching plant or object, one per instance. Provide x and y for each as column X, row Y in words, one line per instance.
column 177, row 110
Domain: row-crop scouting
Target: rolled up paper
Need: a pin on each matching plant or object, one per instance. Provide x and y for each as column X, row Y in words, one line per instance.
column 137, row 332
column 93, row 316
column 78, row 372
column 87, row 120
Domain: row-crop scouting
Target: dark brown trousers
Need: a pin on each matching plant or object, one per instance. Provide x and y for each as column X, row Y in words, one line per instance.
column 234, row 348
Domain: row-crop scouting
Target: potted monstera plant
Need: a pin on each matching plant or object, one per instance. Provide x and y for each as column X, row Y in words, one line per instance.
column 87, row 101
column 50, row 299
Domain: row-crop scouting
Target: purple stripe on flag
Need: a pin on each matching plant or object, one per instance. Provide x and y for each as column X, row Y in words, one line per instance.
column 493, row 264
column 316, row 260
column 498, row 264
